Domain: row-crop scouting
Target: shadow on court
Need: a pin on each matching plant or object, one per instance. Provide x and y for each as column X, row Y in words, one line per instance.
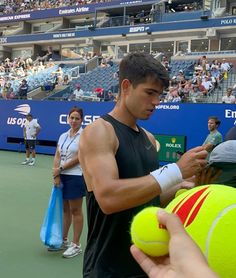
column 24, row 195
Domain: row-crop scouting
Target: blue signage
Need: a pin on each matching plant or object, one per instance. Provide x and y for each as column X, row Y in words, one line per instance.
column 188, row 120
column 154, row 27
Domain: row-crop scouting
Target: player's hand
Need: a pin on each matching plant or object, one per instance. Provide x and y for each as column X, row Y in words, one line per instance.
column 192, row 162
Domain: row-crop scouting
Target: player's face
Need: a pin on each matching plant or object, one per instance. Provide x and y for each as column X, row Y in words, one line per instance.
column 212, row 125
column 142, row 100
column 75, row 120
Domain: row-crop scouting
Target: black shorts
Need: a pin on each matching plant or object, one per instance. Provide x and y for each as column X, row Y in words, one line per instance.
column 30, row 144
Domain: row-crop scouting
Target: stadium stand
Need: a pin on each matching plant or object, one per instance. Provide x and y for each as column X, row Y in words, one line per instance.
column 78, row 36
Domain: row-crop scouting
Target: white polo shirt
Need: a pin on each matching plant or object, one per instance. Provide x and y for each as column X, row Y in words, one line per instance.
column 30, row 129
column 68, row 147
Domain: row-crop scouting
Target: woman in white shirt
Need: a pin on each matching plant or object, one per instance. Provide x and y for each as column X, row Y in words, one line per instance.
column 67, row 171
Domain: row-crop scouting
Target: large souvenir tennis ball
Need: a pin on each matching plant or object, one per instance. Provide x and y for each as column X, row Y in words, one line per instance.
column 148, row 234
column 208, row 214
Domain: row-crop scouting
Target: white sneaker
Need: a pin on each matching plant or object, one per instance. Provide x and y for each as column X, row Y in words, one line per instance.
column 32, row 162
column 25, row 162
column 72, row 251
column 64, row 246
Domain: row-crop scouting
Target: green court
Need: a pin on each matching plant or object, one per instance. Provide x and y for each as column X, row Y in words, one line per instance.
column 24, row 195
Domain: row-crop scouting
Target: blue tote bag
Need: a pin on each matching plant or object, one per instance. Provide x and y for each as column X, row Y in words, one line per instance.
column 51, row 232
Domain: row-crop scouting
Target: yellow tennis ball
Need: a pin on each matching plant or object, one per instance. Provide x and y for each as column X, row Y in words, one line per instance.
column 148, row 234
column 208, row 214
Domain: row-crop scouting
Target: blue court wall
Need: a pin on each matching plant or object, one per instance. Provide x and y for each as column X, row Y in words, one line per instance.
column 189, row 120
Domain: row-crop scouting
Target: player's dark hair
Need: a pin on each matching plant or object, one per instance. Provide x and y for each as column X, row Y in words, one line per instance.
column 137, row 67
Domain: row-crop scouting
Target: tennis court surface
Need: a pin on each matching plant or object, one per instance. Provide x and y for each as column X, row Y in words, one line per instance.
column 24, row 195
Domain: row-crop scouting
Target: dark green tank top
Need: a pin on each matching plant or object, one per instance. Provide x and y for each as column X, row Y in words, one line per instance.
column 107, row 252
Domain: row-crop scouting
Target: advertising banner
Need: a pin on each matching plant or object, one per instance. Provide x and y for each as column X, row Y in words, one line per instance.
column 186, row 123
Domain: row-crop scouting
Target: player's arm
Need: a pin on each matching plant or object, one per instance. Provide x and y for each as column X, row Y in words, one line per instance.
column 169, row 195
column 38, row 128
column 24, row 132
column 97, row 149
column 98, row 146
column 56, row 167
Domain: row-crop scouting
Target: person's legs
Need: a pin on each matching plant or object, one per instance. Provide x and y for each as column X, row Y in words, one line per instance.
column 27, row 152
column 77, row 220
column 67, row 219
column 32, row 144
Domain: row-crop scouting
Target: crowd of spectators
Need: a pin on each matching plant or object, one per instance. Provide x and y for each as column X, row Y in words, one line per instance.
column 207, row 76
column 16, row 71
column 20, row 6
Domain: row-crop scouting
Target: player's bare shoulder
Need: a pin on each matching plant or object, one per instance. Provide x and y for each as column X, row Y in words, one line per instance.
column 99, row 131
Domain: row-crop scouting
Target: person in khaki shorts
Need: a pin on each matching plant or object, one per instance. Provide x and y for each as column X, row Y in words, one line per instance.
column 31, row 130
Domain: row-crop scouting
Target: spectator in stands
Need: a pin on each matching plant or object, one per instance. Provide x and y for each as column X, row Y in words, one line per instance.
column 30, row 130
column 170, row 94
column 66, row 80
column 78, row 92
column 201, row 87
column 110, row 61
column 215, row 72
column 104, row 63
column 207, row 84
column 228, row 98
column 23, row 89
column 58, row 76
column 187, row 88
column 214, row 137
column 180, row 76
column 203, row 62
column 225, row 66
column 195, row 93
column 99, row 92
column 9, row 91
column 109, row 96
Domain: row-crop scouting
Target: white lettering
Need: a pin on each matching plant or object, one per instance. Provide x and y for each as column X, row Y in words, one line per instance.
column 226, row 21
column 230, row 114
column 170, row 145
column 63, row 35
column 69, row 11
column 3, row 40
column 6, row 18
column 72, row 11
column 63, row 119
column 131, row 2
column 88, row 119
column 22, row 16
column 168, row 107
column 136, row 29
column 16, row 121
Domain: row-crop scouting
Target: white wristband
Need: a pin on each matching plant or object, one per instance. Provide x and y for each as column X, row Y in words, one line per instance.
column 167, row 176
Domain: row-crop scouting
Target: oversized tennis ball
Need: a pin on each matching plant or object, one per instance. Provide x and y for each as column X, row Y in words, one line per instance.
column 148, row 234
column 208, row 214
